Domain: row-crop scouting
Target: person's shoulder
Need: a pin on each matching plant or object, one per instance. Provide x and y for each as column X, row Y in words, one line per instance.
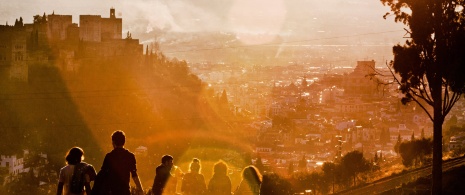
column 127, row 152
column 65, row 167
column 160, row 167
column 189, row 175
column 88, row 166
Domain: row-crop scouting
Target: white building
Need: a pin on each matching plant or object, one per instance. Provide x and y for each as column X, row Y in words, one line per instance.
column 15, row 165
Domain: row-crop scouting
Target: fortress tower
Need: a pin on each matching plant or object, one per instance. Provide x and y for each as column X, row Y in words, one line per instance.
column 112, row 13
column 94, row 28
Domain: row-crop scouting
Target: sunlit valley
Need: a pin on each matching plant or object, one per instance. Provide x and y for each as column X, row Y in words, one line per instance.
column 313, row 106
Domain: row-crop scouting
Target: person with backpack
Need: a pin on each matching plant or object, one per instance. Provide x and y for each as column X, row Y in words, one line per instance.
column 76, row 176
column 193, row 183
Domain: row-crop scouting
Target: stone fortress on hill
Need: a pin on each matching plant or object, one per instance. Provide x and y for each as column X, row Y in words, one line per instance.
column 54, row 40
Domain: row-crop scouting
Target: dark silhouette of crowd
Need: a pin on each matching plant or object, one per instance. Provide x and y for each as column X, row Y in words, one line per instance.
column 119, row 166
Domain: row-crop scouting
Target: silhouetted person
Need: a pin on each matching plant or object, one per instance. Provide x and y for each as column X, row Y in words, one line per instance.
column 250, row 183
column 80, row 171
column 193, row 183
column 220, row 184
column 119, row 165
column 162, row 176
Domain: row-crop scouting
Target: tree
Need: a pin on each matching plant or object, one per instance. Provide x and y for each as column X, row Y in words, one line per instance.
column 259, row 164
column 304, row 82
column 354, row 163
column 273, row 184
column 329, row 171
column 303, row 164
column 407, row 153
column 431, row 62
column 396, row 147
column 413, row 152
column 3, row 173
column 224, row 98
column 290, row 168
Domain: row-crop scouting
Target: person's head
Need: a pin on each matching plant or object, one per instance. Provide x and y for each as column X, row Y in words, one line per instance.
column 74, row 156
column 118, row 138
column 167, row 160
column 251, row 174
column 220, row 168
column 195, row 167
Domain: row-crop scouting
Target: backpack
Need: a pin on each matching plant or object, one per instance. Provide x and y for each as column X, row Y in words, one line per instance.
column 76, row 185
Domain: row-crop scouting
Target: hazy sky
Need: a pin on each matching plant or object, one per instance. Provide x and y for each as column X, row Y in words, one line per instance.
column 299, row 18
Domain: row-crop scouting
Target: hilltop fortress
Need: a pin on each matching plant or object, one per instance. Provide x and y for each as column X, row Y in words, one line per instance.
column 54, row 40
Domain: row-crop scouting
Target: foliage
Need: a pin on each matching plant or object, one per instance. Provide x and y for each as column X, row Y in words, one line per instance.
column 259, row 164
column 414, row 152
column 273, row 184
column 431, row 63
column 303, row 164
column 149, row 100
column 354, row 163
column 398, row 142
column 290, row 168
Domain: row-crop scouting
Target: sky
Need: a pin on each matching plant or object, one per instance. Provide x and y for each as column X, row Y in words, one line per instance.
column 300, row 19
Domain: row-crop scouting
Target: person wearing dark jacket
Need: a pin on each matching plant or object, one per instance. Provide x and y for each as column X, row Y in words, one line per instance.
column 161, row 183
column 118, row 166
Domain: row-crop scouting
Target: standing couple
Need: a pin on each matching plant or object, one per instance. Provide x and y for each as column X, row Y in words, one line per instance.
column 118, row 167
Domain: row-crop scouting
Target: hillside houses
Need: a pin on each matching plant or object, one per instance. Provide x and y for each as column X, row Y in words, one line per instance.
column 323, row 116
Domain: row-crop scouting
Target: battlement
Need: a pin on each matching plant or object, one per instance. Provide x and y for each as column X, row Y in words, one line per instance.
column 24, row 44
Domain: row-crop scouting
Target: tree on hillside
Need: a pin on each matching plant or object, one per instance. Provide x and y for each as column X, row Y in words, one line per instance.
column 431, row 63
column 259, row 164
column 330, row 170
column 273, row 184
column 224, row 98
column 290, row 168
column 303, row 164
column 407, row 153
column 354, row 163
column 304, row 82
column 414, row 151
column 398, row 142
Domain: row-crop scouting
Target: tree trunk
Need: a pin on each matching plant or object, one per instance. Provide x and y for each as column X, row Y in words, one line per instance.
column 437, row 140
column 354, row 180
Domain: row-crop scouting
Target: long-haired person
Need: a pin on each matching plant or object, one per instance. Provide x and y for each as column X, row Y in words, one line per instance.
column 251, row 181
column 76, row 176
column 220, row 183
column 193, row 182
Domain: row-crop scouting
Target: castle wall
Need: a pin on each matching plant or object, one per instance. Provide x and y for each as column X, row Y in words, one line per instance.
column 111, row 28
column 59, row 42
column 57, row 26
column 90, row 28
column 13, row 52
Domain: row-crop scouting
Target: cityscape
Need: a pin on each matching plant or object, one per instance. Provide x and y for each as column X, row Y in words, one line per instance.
column 323, row 115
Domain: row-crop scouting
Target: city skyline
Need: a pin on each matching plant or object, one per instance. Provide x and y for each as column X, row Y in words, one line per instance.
column 295, row 20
